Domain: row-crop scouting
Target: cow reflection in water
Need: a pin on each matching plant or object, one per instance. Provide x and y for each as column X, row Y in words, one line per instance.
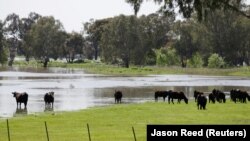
column 48, row 109
column 21, row 111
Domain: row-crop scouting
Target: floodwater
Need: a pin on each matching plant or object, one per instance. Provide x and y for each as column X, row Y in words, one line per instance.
column 74, row 89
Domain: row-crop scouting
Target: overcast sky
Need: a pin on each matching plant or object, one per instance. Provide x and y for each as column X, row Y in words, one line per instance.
column 72, row 13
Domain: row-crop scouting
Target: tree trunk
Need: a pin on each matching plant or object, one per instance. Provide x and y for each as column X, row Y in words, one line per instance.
column 45, row 63
column 96, row 50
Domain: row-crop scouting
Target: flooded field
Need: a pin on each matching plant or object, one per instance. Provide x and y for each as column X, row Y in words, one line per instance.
column 74, row 89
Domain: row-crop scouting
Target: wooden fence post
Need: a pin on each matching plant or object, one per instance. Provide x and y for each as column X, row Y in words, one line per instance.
column 8, row 129
column 47, row 133
column 134, row 133
column 88, row 132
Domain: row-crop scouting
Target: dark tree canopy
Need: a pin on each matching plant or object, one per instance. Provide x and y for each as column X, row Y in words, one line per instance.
column 200, row 7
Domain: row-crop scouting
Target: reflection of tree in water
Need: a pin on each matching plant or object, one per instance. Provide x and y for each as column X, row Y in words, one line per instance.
column 21, row 111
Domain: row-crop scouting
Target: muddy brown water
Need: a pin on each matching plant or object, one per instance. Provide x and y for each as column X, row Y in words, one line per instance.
column 74, row 89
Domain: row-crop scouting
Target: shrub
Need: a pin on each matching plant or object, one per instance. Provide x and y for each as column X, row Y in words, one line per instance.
column 196, row 61
column 215, row 61
column 167, row 57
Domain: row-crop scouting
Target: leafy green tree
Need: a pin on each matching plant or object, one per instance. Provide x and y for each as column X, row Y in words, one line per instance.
column 94, row 31
column 12, row 32
column 25, row 27
column 3, row 55
column 229, row 36
column 119, row 39
column 200, row 7
column 216, row 61
column 185, row 44
column 74, row 45
column 43, row 38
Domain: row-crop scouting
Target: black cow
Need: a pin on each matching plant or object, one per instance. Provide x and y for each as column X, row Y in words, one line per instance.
column 196, row 93
column 118, row 96
column 201, row 101
column 211, row 98
column 219, row 96
column 49, row 99
column 21, row 98
column 177, row 95
column 238, row 95
column 163, row 94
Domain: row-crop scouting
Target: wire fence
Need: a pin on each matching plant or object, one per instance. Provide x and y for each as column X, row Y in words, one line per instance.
column 47, row 134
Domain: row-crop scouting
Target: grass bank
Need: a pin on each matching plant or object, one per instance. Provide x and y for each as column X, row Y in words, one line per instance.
column 100, row 68
column 113, row 123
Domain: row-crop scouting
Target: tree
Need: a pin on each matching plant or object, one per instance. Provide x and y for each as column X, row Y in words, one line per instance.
column 154, row 33
column 200, row 7
column 12, row 33
column 3, row 55
column 43, row 38
column 120, row 39
column 94, row 30
column 25, row 27
column 185, row 45
column 229, row 36
column 73, row 46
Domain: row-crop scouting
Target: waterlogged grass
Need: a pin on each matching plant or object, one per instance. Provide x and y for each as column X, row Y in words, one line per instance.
column 114, row 123
column 101, row 68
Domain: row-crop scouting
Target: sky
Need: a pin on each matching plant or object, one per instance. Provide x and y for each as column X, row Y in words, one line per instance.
column 73, row 13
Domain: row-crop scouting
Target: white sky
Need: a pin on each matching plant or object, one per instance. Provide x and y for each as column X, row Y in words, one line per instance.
column 72, row 13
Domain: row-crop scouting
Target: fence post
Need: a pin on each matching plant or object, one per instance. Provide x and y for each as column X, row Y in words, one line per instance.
column 134, row 132
column 8, row 129
column 47, row 133
column 88, row 132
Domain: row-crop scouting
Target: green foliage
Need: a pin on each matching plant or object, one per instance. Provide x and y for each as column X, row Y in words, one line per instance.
column 167, row 57
column 151, row 58
column 3, row 51
column 45, row 39
column 196, row 61
column 215, row 61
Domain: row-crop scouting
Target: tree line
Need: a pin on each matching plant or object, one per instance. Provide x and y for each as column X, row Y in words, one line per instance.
column 220, row 39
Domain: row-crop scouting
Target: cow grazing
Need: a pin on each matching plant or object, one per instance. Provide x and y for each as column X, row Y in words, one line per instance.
column 219, row 96
column 21, row 98
column 177, row 95
column 239, row 96
column 118, row 96
column 201, row 102
column 49, row 99
column 163, row 94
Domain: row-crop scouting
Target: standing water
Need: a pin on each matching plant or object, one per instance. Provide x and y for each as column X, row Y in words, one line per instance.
column 74, row 89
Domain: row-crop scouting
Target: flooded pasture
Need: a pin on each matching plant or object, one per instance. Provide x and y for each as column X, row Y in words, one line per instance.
column 74, row 89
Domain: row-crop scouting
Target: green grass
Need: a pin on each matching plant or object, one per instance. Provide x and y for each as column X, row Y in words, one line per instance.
column 113, row 123
column 101, row 68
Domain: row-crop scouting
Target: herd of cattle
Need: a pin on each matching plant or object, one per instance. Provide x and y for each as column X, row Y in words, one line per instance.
column 201, row 99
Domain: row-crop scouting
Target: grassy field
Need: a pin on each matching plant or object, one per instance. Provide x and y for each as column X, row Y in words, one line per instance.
column 114, row 123
column 100, row 68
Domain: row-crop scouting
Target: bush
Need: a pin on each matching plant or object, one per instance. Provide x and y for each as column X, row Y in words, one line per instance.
column 215, row 61
column 151, row 58
column 167, row 57
column 196, row 61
